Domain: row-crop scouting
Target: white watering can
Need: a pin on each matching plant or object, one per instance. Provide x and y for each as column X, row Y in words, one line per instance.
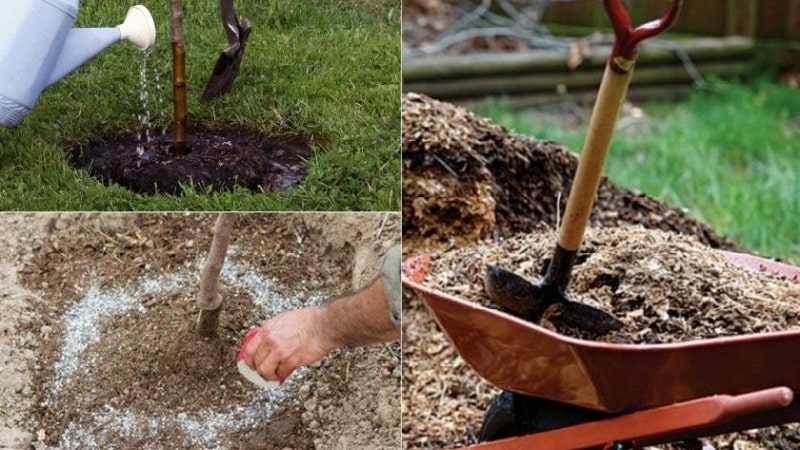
column 38, row 47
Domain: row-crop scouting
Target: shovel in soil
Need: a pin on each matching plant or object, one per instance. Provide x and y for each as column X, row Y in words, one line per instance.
column 548, row 299
column 230, row 59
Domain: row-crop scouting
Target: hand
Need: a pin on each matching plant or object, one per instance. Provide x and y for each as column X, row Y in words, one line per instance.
column 287, row 341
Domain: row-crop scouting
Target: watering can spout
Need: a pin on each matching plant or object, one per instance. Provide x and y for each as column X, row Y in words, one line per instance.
column 83, row 44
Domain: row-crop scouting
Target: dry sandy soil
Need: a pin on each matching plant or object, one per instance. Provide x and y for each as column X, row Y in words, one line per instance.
column 96, row 348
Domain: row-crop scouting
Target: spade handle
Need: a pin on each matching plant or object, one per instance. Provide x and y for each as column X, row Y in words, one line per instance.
column 613, row 90
column 609, row 101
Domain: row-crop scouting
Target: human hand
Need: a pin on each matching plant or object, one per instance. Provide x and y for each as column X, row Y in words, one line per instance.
column 287, row 341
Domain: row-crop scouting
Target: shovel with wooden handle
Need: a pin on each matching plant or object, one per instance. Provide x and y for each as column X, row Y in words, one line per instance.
column 532, row 301
column 230, row 59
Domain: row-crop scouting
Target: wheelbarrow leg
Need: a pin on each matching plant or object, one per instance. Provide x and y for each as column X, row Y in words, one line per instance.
column 513, row 414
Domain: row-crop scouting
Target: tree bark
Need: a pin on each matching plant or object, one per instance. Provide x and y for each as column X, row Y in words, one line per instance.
column 179, row 146
column 210, row 301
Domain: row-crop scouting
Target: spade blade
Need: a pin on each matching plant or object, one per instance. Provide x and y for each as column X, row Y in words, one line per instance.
column 586, row 318
column 227, row 67
column 530, row 301
column 514, row 293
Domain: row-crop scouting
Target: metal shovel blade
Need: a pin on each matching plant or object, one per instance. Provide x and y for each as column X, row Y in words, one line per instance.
column 532, row 302
column 227, row 67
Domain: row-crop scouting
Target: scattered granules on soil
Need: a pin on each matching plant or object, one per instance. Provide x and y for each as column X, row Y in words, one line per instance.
column 148, row 376
column 117, row 365
column 663, row 287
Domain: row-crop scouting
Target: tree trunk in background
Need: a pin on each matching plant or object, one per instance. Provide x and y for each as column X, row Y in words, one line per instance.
column 178, row 79
column 210, row 300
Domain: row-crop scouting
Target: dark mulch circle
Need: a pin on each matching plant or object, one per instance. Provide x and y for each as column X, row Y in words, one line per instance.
column 218, row 160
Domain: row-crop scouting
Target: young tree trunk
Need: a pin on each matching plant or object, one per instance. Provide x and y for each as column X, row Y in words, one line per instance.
column 178, row 79
column 210, row 301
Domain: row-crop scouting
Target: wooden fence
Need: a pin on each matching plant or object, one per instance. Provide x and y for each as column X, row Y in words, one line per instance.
column 542, row 76
column 722, row 37
column 765, row 19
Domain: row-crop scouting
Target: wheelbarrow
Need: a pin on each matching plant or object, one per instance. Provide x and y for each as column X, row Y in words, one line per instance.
column 616, row 396
column 643, row 394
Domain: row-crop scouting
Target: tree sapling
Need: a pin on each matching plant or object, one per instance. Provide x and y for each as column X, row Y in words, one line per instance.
column 209, row 300
column 179, row 146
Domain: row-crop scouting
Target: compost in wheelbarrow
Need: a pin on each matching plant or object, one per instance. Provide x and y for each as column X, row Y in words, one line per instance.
column 523, row 357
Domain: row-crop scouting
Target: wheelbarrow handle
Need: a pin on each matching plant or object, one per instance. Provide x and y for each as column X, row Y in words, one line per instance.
column 627, row 38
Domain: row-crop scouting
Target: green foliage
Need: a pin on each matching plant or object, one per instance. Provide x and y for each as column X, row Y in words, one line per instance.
column 728, row 155
column 329, row 69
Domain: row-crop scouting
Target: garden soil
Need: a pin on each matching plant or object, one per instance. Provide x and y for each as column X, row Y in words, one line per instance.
column 474, row 192
column 217, row 161
column 97, row 318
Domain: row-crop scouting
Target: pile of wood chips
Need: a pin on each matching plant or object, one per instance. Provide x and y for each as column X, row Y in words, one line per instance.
column 466, row 179
column 663, row 286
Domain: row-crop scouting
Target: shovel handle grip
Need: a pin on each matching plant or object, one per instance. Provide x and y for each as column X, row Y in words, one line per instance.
column 627, row 38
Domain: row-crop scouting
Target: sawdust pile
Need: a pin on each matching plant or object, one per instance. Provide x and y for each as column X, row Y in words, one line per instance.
column 466, row 179
column 663, row 286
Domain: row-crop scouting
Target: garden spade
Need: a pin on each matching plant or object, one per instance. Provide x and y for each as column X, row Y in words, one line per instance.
column 549, row 298
column 230, row 59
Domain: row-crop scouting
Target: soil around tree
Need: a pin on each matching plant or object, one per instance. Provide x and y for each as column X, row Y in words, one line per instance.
column 113, row 361
column 474, row 192
column 218, row 160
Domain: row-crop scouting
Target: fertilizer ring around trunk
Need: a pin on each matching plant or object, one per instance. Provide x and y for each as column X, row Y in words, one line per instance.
column 218, row 161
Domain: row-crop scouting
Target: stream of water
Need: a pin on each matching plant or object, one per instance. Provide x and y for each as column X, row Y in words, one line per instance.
column 144, row 114
column 148, row 90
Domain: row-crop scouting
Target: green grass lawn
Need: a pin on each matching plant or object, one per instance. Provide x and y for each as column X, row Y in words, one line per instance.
column 729, row 156
column 329, row 69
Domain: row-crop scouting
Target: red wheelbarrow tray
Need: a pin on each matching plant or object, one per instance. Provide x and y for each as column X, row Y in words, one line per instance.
column 519, row 356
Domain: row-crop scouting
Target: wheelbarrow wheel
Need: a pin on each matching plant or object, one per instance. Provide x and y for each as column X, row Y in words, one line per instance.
column 499, row 421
